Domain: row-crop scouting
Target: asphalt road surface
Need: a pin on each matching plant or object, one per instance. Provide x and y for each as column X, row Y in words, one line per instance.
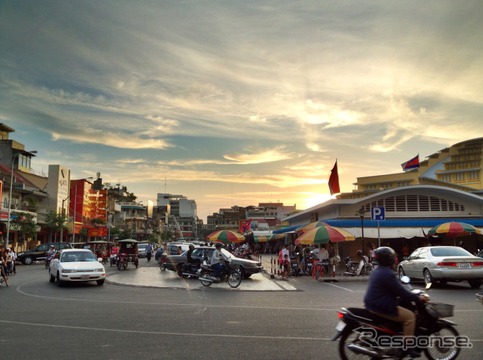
column 84, row 321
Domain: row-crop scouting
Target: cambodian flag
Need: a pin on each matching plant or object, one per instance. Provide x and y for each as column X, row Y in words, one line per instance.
column 411, row 164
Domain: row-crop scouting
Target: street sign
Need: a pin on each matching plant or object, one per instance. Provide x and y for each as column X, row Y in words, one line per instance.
column 378, row 213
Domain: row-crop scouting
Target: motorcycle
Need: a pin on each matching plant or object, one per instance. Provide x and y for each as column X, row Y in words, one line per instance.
column 112, row 260
column 479, row 297
column 48, row 259
column 231, row 274
column 148, row 256
column 309, row 264
column 189, row 270
column 357, row 268
column 295, row 264
column 363, row 333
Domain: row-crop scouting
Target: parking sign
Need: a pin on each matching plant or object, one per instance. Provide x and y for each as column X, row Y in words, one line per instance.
column 378, row 213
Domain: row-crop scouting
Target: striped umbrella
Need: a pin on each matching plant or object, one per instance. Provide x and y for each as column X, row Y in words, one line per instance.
column 454, row 229
column 324, row 234
column 312, row 225
column 225, row 237
column 268, row 238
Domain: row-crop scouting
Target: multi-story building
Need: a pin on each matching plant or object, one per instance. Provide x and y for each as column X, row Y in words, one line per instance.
column 457, row 167
column 21, row 191
column 182, row 217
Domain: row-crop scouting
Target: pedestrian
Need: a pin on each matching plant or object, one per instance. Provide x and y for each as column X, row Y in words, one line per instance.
column 14, row 256
column 284, row 260
column 372, row 248
column 3, row 266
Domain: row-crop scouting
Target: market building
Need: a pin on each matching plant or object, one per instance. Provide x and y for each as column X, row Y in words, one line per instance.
column 447, row 186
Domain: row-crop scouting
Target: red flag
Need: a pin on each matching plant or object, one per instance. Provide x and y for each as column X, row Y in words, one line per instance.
column 245, row 226
column 411, row 164
column 334, row 180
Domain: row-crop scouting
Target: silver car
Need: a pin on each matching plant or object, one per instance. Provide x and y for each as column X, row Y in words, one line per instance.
column 443, row 264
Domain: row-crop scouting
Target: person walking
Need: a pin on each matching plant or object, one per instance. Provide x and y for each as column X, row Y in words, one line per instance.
column 3, row 267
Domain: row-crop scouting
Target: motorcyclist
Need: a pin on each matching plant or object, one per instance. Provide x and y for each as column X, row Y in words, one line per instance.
column 189, row 256
column 149, row 251
column 51, row 252
column 218, row 261
column 383, row 292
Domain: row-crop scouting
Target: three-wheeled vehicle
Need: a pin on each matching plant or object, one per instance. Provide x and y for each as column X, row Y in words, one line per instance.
column 128, row 253
column 101, row 249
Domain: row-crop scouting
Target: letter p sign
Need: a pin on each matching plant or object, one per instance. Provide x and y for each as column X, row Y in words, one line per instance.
column 378, row 213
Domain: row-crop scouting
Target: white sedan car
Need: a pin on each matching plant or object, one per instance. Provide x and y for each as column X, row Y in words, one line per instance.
column 443, row 264
column 76, row 265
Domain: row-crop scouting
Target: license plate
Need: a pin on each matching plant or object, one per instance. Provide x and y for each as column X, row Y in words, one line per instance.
column 340, row 326
column 84, row 277
column 464, row 265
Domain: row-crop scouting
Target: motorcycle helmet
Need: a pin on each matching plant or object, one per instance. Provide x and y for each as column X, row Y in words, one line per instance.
column 218, row 245
column 384, row 256
column 359, row 252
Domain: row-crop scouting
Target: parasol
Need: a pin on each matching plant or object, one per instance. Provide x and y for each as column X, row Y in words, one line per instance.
column 310, row 226
column 323, row 234
column 225, row 237
column 454, row 229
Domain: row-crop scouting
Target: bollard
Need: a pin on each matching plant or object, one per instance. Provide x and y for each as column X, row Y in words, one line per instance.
column 272, row 270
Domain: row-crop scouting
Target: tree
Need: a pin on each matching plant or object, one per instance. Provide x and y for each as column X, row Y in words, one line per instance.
column 26, row 225
column 54, row 223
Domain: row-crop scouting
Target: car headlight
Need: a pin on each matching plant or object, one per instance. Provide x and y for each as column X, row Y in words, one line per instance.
column 67, row 271
column 99, row 270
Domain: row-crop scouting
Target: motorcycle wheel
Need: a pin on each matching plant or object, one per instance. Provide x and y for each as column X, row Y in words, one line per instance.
column 347, row 338
column 204, row 282
column 119, row 265
column 439, row 353
column 235, row 278
column 180, row 272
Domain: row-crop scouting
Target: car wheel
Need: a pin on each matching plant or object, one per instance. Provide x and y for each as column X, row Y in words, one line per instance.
column 428, row 278
column 28, row 260
column 475, row 284
column 100, row 282
column 59, row 282
column 401, row 272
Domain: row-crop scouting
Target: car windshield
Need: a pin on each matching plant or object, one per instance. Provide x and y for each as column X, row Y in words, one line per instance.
column 77, row 256
column 450, row 251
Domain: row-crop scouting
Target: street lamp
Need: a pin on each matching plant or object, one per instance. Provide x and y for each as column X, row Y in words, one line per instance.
column 33, row 152
column 361, row 212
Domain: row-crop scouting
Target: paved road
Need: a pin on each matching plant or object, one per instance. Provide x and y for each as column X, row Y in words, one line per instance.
column 114, row 321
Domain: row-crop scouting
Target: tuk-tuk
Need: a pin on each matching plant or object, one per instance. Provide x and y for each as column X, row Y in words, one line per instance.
column 128, row 252
column 101, row 249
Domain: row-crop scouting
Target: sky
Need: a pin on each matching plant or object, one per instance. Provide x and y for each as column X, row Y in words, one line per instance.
column 239, row 102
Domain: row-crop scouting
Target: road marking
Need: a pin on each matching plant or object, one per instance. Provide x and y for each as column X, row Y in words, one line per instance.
column 165, row 333
column 338, row 287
